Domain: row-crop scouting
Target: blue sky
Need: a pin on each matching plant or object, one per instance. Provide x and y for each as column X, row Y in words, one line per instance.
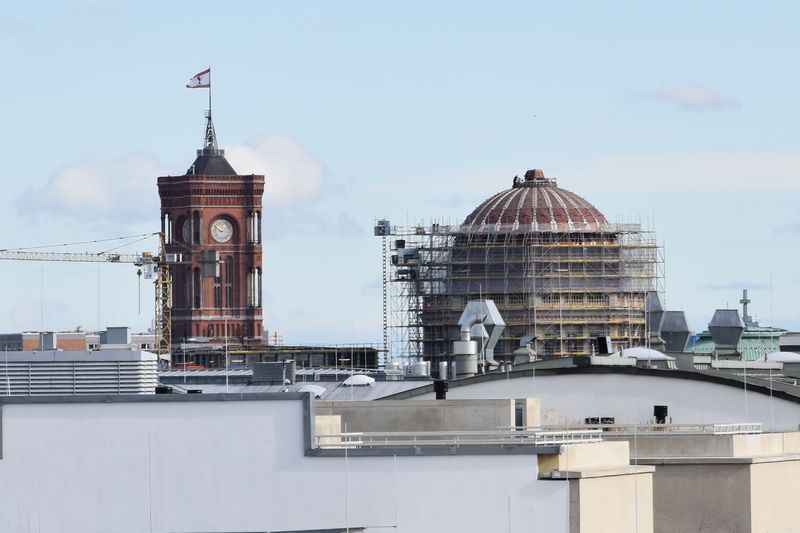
column 682, row 116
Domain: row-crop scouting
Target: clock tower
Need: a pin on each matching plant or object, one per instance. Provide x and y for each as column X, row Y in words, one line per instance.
column 211, row 216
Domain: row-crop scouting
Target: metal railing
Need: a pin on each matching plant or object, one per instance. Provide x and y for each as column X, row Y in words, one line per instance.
column 737, row 429
column 740, row 428
column 456, row 439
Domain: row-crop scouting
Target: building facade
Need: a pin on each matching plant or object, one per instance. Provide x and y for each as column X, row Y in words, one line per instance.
column 559, row 273
column 211, row 218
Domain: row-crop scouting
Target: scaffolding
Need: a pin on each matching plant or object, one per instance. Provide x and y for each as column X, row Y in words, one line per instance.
column 557, row 285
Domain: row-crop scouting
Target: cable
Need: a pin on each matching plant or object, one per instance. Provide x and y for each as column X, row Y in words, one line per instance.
column 143, row 235
column 124, row 245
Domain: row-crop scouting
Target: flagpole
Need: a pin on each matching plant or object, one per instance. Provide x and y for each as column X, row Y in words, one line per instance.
column 209, row 91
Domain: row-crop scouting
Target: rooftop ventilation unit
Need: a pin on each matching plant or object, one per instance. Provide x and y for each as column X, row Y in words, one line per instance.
column 655, row 311
column 480, row 320
column 726, row 329
column 675, row 331
column 281, row 372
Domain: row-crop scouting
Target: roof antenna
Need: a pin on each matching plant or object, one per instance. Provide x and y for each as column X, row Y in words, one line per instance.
column 210, row 146
column 210, row 141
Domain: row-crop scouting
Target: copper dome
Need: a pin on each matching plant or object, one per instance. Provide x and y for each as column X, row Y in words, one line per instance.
column 535, row 203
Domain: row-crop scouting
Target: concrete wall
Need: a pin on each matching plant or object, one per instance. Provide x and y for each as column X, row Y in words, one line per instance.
column 531, row 412
column 706, row 445
column 432, row 415
column 613, row 504
column 159, row 465
column 607, row 495
column 569, row 399
column 737, row 497
column 713, row 498
column 773, row 491
column 586, row 456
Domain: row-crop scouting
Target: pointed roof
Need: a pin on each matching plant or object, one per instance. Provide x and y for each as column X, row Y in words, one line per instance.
column 211, row 159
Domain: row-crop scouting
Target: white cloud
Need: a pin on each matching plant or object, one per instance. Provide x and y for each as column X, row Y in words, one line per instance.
column 702, row 172
column 120, row 190
column 695, row 98
column 123, row 190
column 293, row 175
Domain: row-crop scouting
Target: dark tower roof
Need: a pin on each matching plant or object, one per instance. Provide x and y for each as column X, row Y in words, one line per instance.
column 535, row 202
column 211, row 165
column 211, row 159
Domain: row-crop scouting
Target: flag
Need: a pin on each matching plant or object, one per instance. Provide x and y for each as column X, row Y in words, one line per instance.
column 200, row 80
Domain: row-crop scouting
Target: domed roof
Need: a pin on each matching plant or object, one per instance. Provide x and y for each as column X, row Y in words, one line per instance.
column 783, row 357
column 536, row 203
column 644, row 354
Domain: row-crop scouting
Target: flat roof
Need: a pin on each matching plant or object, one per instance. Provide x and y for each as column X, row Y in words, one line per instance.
column 60, row 356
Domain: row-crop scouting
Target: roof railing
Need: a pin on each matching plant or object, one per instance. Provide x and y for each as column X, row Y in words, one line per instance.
column 739, row 428
column 456, row 439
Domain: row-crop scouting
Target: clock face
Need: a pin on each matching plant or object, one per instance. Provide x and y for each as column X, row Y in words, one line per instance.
column 221, row 230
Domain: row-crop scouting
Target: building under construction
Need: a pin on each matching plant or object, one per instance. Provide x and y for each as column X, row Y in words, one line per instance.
column 560, row 274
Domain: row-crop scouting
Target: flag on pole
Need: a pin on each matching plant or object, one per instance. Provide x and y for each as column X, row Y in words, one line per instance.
column 200, row 80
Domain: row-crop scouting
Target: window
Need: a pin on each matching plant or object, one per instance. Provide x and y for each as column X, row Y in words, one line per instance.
column 196, row 288
column 218, row 290
column 196, row 227
column 229, row 281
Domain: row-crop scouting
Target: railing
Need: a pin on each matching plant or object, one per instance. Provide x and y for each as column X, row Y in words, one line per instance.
column 741, row 428
column 737, row 429
column 456, row 439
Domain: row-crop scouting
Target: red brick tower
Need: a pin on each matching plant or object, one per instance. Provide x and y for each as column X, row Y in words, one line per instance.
column 212, row 217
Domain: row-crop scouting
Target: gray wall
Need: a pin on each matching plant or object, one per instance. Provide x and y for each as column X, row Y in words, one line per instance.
column 240, row 466
column 432, row 415
column 713, row 498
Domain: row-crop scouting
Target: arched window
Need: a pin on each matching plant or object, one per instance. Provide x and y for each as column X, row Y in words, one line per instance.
column 187, row 288
column 196, row 289
column 258, row 288
column 196, row 227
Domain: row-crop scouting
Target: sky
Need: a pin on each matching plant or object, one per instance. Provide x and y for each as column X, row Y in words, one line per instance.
column 681, row 116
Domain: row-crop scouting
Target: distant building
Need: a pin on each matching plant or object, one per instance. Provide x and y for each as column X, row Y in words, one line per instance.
column 273, row 338
column 75, row 341
column 80, row 372
column 211, row 217
column 559, row 273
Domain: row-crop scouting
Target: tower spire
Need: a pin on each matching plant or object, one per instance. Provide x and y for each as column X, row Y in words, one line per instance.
column 210, row 146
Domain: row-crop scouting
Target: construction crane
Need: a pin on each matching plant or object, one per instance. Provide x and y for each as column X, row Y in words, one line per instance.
column 155, row 267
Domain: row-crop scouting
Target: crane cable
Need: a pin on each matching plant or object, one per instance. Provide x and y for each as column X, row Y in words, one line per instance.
column 142, row 235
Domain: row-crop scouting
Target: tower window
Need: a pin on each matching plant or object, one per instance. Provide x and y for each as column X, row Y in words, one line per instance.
column 196, row 288
column 196, row 227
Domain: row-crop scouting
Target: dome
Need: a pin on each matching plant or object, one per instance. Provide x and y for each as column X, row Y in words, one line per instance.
column 536, row 203
column 783, row 357
column 644, row 354
column 316, row 390
column 358, row 380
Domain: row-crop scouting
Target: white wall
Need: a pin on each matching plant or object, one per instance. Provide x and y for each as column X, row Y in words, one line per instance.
column 239, row 466
column 569, row 398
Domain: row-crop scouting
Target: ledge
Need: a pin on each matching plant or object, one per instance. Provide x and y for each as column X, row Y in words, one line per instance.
column 718, row 460
column 588, row 473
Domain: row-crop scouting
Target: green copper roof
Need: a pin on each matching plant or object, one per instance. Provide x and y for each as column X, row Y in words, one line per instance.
column 754, row 344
